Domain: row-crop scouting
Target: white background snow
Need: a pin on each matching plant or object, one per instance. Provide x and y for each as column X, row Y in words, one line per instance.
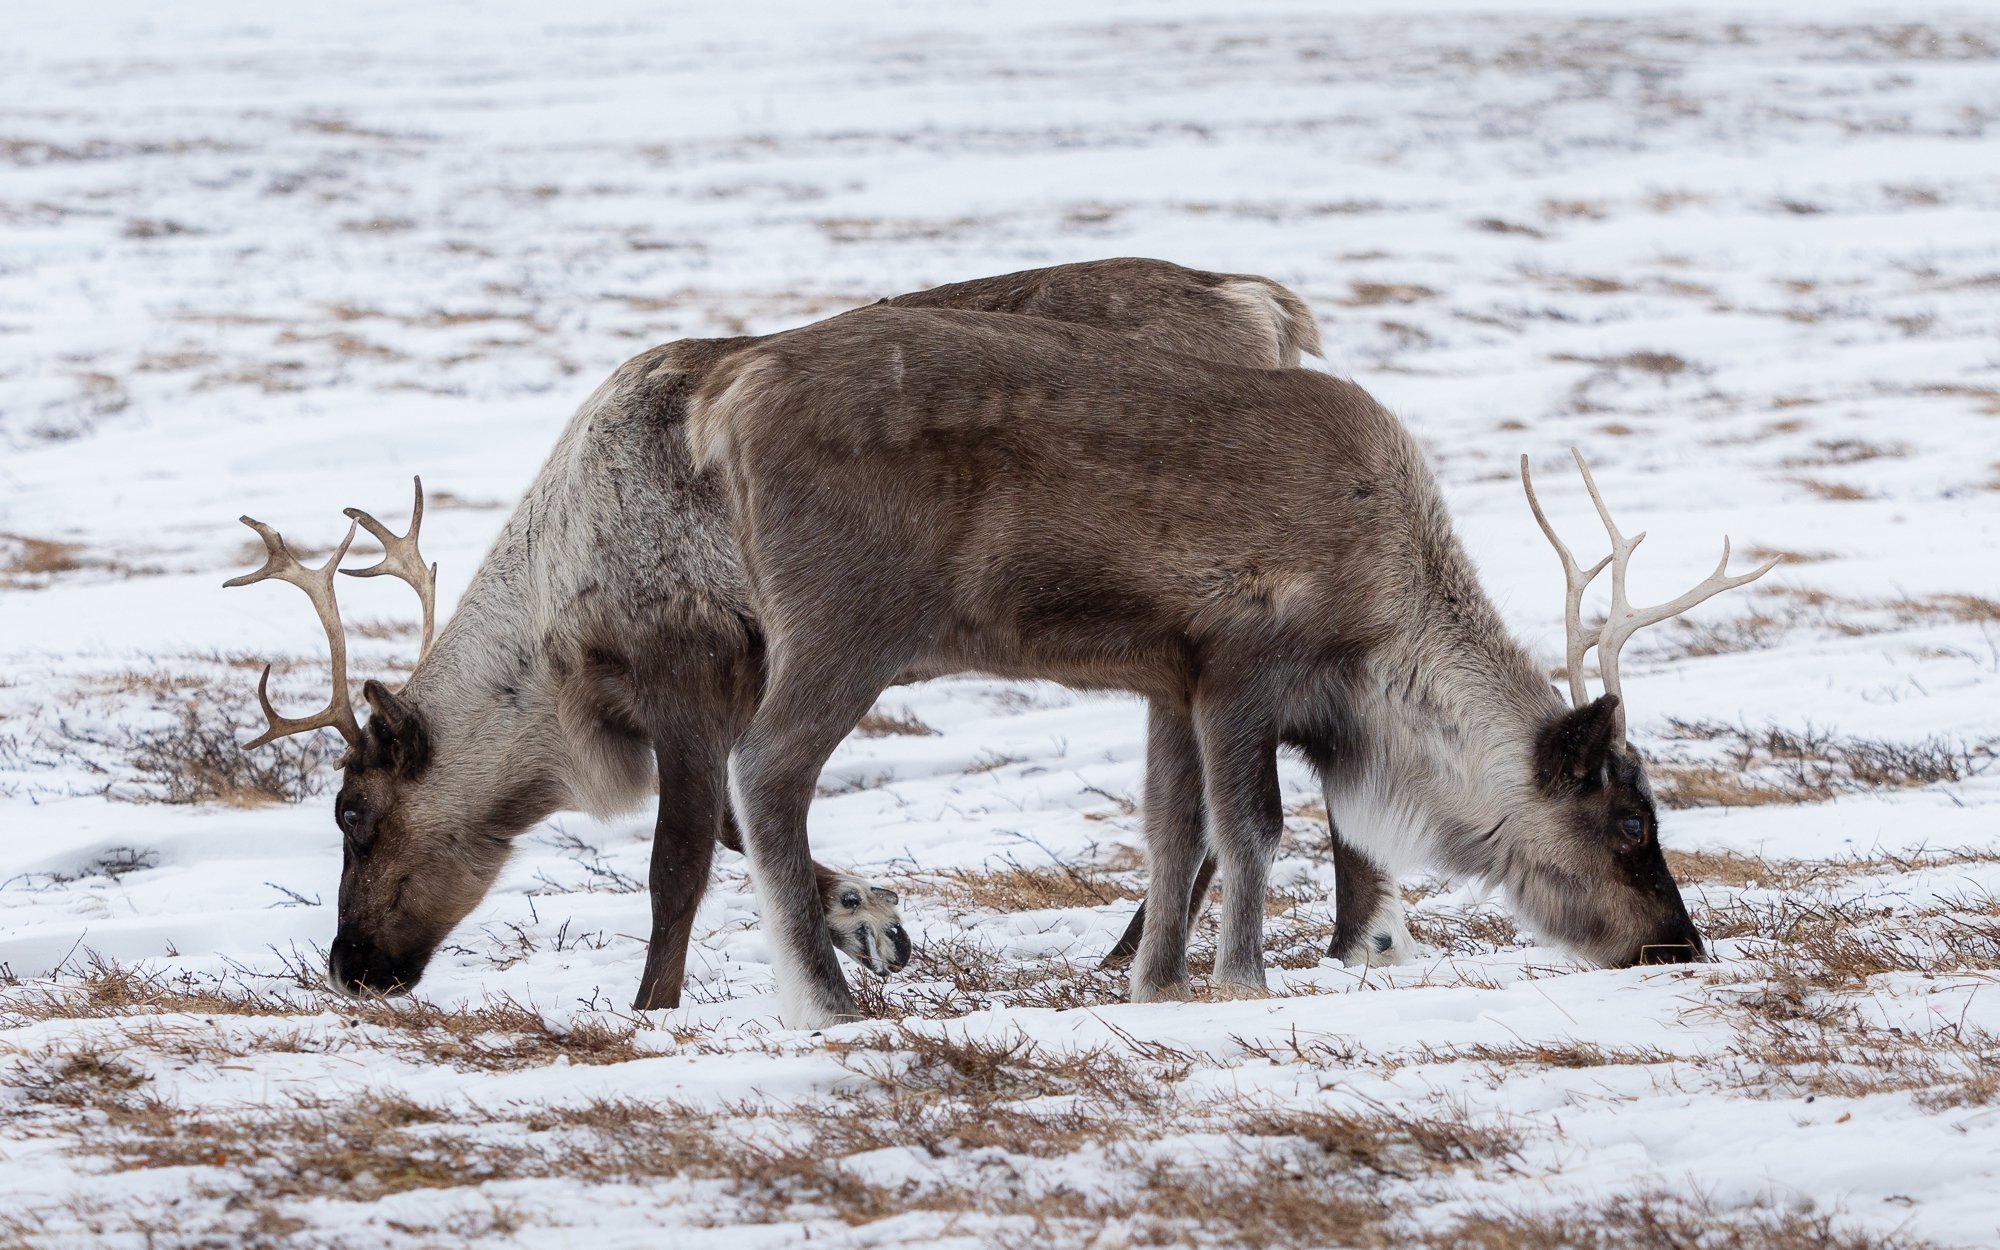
column 275, row 259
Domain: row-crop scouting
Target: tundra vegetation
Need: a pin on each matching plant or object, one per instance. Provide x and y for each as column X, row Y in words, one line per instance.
column 1746, row 264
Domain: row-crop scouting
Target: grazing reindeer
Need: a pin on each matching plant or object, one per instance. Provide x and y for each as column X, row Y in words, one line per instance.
column 1261, row 553
column 1368, row 912
column 607, row 645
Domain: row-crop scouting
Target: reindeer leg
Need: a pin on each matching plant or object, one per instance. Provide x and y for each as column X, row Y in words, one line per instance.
column 807, row 708
column 1368, row 925
column 1169, row 799
column 1135, row 929
column 866, row 918
column 1239, row 752
column 1174, row 846
column 692, row 798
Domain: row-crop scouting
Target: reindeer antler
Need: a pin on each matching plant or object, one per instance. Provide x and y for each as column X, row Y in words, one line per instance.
column 1578, row 580
column 1624, row 620
column 401, row 559
column 279, row 562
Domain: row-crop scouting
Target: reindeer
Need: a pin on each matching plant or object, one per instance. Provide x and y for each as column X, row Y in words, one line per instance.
column 1261, row 553
column 607, row 647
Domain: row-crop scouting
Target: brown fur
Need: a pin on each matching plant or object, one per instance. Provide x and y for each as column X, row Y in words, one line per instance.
column 608, row 645
column 1261, row 553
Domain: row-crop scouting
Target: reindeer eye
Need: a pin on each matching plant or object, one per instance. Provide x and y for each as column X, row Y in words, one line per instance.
column 850, row 900
column 1634, row 827
column 350, row 820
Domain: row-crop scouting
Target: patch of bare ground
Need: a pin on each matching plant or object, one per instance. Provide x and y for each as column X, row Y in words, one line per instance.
column 1297, row 1175
column 1367, row 294
column 1666, row 1222
column 880, row 724
column 1828, row 452
column 1658, row 364
column 1781, row 610
column 1760, row 554
column 383, row 630
column 500, row 1034
column 1802, row 1027
column 958, row 975
column 344, row 345
column 28, row 563
column 1014, row 887
column 199, row 758
column 1568, row 1054
column 1308, row 1171
column 1755, row 872
column 1738, row 766
column 26, row 557
column 898, row 230
column 1833, row 492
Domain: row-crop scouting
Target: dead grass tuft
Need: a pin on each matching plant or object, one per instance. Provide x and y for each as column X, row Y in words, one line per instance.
column 26, row 562
column 881, row 724
column 1401, row 1146
column 1664, row 1222
column 1837, row 492
column 1659, row 364
column 1774, row 765
column 199, row 759
column 1364, row 294
column 1747, row 872
column 1013, row 887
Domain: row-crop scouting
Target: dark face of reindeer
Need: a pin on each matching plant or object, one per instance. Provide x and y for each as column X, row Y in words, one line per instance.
column 1599, row 883
column 409, row 870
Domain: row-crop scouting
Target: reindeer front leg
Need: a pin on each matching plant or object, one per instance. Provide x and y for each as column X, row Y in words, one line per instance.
column 815, row 696
column 692, row 799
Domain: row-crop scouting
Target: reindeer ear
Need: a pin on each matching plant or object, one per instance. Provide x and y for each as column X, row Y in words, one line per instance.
column 402, row 728
column 1575, row 746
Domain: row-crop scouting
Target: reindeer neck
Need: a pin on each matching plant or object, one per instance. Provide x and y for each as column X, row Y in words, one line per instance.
column 1449, row 709
column 493, row 670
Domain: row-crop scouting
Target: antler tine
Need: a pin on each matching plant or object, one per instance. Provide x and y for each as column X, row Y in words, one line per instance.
column 401, row 559
column 1625, row 620
column 1577, row 580
column 280, row 563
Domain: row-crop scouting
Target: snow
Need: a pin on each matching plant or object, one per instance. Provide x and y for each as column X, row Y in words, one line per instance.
column 274, row 261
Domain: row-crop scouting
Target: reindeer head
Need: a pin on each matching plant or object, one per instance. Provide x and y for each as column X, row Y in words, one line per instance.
column 410, row 869
column 1592, row 875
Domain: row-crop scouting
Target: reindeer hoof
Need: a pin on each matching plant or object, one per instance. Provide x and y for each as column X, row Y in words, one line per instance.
column 1234, row 991
column 1170, row 992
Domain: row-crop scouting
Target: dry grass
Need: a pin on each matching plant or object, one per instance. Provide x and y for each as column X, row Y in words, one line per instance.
column 1012, row 887
column 880, row 724
column 35, row 557
column 1837, row 492
column 199, row 758
column 500, row 1035
column 1659, row 364
column 1774, row 765
column 1296, row 1176
column 1747, row 872
column 1367, row 294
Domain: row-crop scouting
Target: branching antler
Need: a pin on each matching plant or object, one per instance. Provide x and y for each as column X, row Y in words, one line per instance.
column 279, row 562
column 1624, row 619
column 401, row 559
column 1578, row 580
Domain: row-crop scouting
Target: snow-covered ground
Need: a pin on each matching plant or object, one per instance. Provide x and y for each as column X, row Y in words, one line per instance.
column 269, row 259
